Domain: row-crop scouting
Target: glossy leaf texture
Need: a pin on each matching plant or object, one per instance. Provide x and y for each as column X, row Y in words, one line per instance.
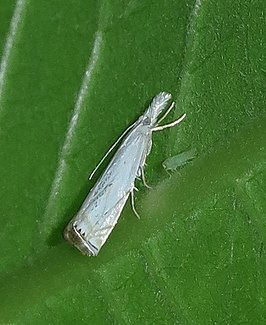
column 73, row 76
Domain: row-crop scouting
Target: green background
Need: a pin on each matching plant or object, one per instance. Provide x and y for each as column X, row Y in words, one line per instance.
column 197, row 255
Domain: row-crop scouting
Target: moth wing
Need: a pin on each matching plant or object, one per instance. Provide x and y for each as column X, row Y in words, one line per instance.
column 101, row 232
column 102, row 208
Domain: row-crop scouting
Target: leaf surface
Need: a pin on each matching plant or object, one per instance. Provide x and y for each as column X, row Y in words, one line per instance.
column 73, row 76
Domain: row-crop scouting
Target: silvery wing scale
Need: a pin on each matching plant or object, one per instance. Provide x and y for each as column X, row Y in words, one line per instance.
column 100, row 211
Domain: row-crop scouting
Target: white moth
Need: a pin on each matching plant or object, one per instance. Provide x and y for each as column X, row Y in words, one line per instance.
column 100, row 211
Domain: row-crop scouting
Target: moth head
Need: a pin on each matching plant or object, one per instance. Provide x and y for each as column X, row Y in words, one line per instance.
column 156, row 107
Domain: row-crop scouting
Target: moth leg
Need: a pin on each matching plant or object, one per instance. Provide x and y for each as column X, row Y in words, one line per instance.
column 142, row 164
column 166, row 113
column 133, row 203
column 149, row 145
column 143, row 177
column 170, row 125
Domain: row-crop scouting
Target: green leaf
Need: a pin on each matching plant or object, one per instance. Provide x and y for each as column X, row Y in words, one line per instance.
column 73, row 76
